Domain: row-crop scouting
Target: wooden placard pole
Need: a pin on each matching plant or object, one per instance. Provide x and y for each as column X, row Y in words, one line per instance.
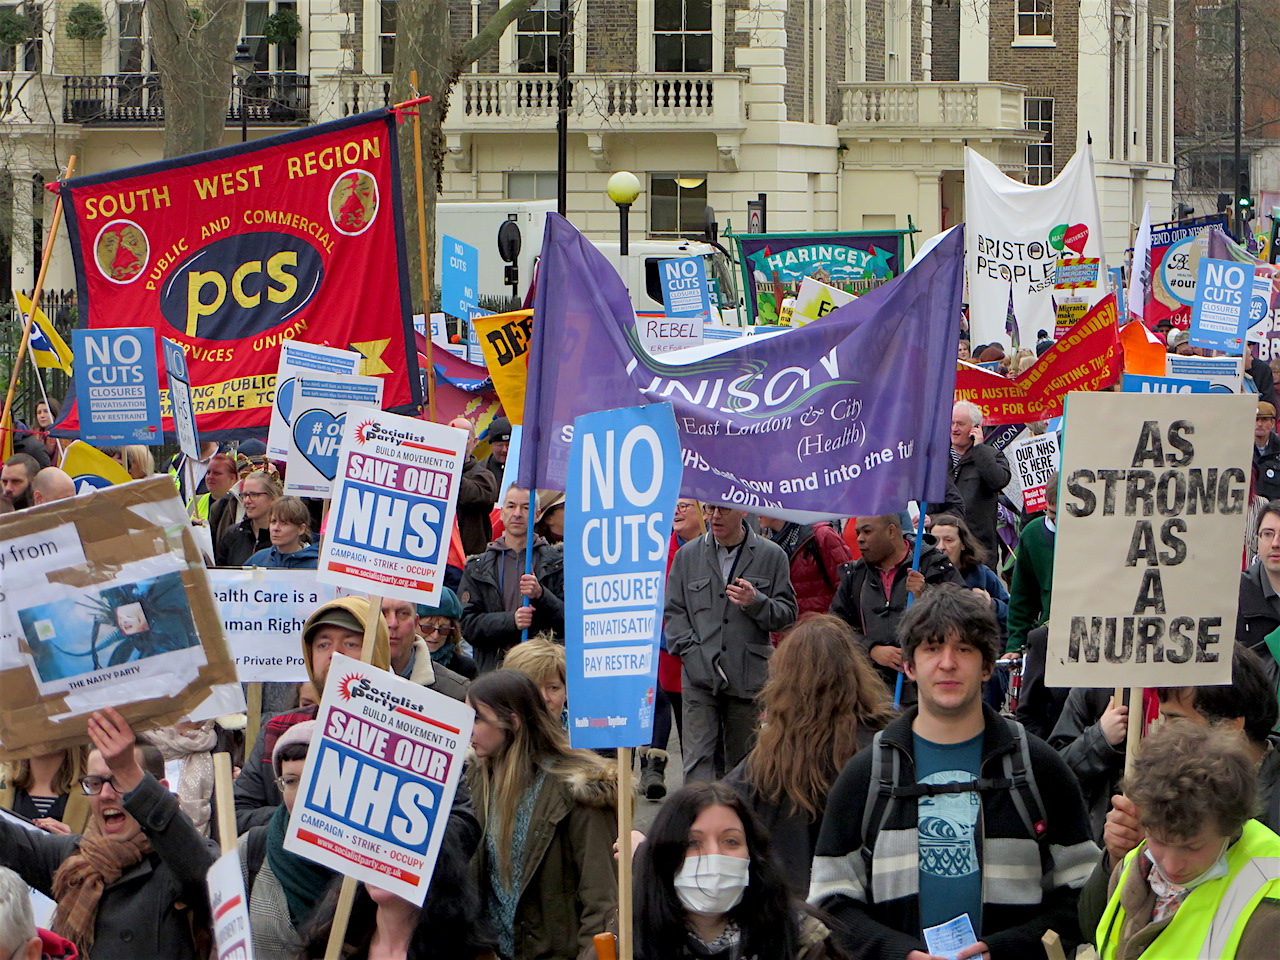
column 253, row 715
column 6, row 418
column 347, row 895
column 422, row 250
column 1052, row 946
column 625, row 946
column 1136, row 723
column 222, row 796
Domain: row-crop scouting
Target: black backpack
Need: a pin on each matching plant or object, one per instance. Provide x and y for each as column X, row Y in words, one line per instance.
column 1019, row 780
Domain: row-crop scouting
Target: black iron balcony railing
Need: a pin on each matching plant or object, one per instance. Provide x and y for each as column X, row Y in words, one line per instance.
column 137, row 98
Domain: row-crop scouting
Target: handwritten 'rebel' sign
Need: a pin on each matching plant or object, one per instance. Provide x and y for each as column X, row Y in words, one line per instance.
column 1151, row 523
column 624, row 478
column 379, row 780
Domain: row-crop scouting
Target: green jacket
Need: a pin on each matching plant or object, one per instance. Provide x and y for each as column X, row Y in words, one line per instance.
column 569, row 887
column 1032, row 583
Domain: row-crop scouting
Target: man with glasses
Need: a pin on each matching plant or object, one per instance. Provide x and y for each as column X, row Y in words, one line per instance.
column 726, row 591
column 410, row 657
column 134, row 885
column 282, row 887
column 1259, row 611
column 1266, row 452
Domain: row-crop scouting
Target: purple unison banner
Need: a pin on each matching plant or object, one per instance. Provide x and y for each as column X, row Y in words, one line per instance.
column 848, row 415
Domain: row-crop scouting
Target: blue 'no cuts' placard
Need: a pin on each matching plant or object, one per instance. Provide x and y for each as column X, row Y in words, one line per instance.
column 624, row 477
column 117, row 386
column 459, row 277
column 1220, row 314
column 684, row 288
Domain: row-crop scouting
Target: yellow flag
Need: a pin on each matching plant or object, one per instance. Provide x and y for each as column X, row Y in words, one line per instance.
column 47, row 347
column 91, row 469
column 6, row 439
column 504, row 340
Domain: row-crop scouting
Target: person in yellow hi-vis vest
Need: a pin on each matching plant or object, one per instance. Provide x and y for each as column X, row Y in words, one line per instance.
column 1205, row 883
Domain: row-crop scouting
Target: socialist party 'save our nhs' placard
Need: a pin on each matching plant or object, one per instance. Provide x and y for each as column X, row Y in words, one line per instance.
column 1151, row 523
column 380, row 776
column 393, row 504
column 233, row 252
column 624, row 478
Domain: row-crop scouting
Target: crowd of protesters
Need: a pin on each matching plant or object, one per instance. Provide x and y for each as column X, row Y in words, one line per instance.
column 857, row 773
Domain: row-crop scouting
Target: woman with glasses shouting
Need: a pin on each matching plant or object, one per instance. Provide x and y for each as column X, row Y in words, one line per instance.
column 123, row 888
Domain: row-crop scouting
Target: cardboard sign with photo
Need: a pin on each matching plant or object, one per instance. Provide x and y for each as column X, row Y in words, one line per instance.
column 105, row 602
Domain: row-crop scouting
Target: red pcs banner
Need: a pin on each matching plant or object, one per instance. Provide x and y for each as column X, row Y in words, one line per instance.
column 233, row 251
column 1088, row 357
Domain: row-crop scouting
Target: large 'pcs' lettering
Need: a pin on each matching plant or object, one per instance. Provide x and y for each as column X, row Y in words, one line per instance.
column 241, row 285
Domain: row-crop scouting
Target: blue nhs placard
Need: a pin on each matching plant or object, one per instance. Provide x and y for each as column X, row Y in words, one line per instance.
column 624, row 477
column 117, row 386
column 684, row 288
column 459, row 277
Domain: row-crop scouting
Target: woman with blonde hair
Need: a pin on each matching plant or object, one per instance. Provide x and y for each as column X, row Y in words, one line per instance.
column 542, row 660
column 258, row 491
column 822, row 703
column 549, row 819
column 137, row 459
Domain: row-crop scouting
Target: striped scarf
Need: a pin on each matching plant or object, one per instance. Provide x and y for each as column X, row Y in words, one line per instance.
column 81, row 878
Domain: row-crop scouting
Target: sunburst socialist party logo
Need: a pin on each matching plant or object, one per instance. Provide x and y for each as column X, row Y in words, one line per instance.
column 346, row 687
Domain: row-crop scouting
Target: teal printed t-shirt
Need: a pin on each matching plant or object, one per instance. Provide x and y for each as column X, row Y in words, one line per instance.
column 950, row 882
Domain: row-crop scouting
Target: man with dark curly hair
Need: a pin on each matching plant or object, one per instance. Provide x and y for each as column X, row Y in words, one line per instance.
column 1206, row 880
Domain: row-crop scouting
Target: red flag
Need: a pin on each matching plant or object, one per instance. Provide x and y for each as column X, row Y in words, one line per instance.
column 1088, row 357
column 233, row 251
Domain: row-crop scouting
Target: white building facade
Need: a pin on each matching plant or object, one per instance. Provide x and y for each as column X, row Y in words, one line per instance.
column 847, row 114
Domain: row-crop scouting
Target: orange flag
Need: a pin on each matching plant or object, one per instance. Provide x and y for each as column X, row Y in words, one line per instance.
column 1144, row 355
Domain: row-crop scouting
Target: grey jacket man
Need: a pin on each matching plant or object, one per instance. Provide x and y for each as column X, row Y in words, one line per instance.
column 725, row 647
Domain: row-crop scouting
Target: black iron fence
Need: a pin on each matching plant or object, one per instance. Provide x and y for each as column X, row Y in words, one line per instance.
column 137, row 98
column 60, row 306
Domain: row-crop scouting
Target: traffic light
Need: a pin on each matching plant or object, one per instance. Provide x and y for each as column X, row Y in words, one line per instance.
column 1184, row 211
column 1245, row 207
column 1224, row 201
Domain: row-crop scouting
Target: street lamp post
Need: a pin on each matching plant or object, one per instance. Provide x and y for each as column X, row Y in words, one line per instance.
column 244, row 70
column 624, row 188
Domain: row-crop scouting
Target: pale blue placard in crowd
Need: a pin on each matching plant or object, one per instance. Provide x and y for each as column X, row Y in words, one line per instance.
column 117, row 386
column 180, row 404
column 624, row 477
column 684, row 288
column 459, row 277
column 1220, row 314
column 1136, row 383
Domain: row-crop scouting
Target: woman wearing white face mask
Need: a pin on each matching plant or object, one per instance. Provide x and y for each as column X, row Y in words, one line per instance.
column 706, row 888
